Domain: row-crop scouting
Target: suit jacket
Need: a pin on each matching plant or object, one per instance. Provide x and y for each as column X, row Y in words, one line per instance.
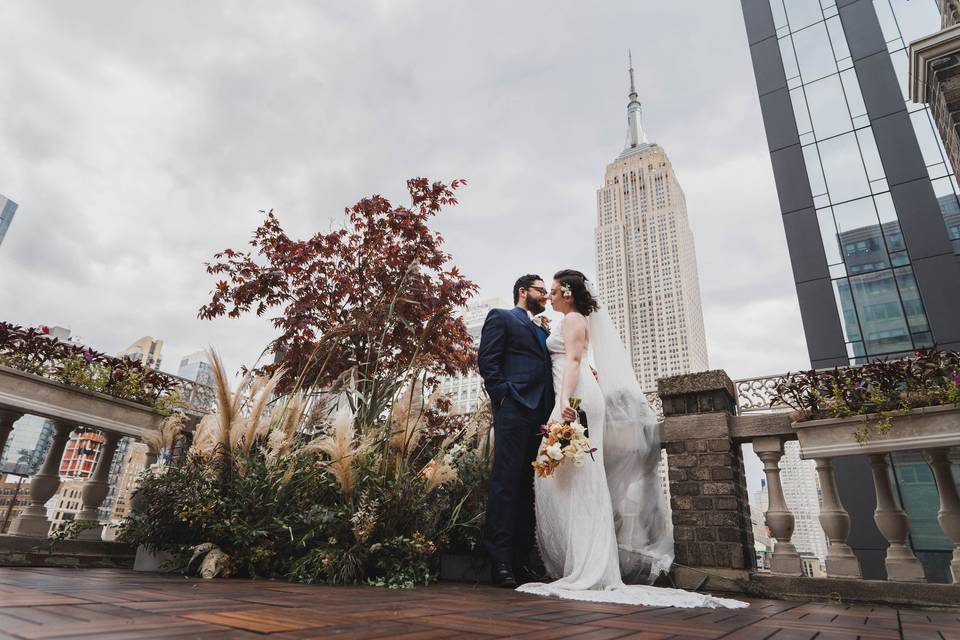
column 513, row 359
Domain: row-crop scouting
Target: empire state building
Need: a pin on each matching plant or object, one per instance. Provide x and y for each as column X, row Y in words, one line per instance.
column 646, row 259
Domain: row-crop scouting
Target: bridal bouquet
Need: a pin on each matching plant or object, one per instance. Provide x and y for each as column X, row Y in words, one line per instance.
column 562, row 440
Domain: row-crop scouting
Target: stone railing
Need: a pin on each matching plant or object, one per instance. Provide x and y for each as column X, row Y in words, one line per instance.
column 195, row 399
column 69, row 409
column 706, row 424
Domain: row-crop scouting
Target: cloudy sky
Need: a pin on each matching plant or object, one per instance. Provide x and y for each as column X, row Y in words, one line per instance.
column 141, row 137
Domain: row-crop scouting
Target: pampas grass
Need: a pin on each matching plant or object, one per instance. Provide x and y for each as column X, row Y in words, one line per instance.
column 341, row 446
column 163, row 438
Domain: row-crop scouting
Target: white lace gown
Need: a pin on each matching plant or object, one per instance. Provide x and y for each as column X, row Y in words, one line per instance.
column 575, row 528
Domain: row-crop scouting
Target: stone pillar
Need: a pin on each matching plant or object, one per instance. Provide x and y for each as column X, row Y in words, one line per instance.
column 32, row 521
column 841, row 561
column 949, row 514
column 902, row 565
column 95, row 490
column 7, row 418
column 711, row 511
column 786, row 559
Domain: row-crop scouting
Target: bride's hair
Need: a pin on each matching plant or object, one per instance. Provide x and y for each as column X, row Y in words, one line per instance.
column 583, row 301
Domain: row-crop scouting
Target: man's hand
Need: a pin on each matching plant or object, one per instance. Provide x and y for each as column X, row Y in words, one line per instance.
column 544, row 322
column 596, row 376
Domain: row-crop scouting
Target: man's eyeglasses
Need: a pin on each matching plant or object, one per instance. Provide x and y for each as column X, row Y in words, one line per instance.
column 540, row 289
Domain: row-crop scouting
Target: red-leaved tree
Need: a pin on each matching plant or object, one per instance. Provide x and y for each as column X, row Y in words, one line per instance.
column 379, row 294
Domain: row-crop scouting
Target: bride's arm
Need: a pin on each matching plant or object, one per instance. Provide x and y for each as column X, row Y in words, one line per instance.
column 575, row 341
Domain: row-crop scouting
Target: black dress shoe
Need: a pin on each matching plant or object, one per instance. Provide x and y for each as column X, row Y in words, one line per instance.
column 502, row 576
column 526, row 573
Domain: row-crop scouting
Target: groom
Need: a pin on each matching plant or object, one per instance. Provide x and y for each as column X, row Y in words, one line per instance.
column 516, row 371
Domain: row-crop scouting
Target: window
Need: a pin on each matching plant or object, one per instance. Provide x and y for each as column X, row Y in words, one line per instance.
column 814, row 53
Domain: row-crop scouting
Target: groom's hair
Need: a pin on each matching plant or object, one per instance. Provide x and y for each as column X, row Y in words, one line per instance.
column 523, row 282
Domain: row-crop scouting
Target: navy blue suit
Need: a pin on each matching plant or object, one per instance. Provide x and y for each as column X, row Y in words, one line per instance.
column 516, row 371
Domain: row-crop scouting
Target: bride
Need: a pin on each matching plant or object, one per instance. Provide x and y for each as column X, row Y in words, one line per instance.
column 605, row 520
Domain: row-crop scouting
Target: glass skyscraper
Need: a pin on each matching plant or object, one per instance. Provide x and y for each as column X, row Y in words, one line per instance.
column 869, row 206
column 868, row 200
column 7, row 209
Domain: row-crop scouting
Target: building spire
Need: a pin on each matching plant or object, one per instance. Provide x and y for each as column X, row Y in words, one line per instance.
column 635, row 133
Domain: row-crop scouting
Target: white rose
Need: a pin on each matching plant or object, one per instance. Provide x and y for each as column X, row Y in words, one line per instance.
column 554, row 451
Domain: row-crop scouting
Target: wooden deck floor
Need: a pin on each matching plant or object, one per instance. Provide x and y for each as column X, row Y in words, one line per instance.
column 111, row 604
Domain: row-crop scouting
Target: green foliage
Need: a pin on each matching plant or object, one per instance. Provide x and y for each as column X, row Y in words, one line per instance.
column 289, row 516
column 36, row 351
column 878, row 392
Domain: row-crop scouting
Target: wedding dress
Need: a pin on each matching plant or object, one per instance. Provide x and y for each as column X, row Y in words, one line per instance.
column 588, row 529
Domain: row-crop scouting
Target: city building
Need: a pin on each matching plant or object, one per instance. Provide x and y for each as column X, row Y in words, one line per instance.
column 81, row 454
column 123, row 483
column 935, row 77
column 646, row 260
column 115, row 478
column 146, row 351
column 465, row 391
column 801, row 489
column 26, row 446
column 812, row 566
column 67, row 503
column 868, row 199
column 196, row 367
column 14, row 498
column 8, row 208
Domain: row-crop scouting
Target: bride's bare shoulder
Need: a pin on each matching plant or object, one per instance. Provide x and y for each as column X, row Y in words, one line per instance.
column 573, row 321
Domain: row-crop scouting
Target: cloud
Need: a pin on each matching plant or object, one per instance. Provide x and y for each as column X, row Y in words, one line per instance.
column 140, row 138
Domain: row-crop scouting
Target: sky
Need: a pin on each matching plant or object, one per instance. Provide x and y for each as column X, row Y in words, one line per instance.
column 139, row 138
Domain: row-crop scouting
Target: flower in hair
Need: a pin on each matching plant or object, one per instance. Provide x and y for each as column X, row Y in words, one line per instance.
column 566, row 291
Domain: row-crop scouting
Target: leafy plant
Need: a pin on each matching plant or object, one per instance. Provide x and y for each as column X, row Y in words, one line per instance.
column 35, row 351
column 878, row 391
column 372, row 296
column 366, row 498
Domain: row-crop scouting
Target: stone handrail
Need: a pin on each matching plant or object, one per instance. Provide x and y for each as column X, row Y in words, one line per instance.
column 30, row 394
column 706, row 424
column 69, row 408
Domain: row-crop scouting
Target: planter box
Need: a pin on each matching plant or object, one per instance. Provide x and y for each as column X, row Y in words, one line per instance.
column 924, row 428
column 39, row 396
column 152, row 561
column 35, row 552
column 455, row 567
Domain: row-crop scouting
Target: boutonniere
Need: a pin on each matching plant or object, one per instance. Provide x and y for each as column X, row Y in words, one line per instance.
column 543, row 322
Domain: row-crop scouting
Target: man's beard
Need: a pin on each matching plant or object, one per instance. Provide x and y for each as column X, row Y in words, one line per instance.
column 535, row 307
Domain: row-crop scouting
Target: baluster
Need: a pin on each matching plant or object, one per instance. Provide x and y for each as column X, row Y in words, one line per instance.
column 949, row 514
column 32, row 521
column 785, row 560
column 841, row 561
column 95, row 490
column 902, row 565
column 7, row 418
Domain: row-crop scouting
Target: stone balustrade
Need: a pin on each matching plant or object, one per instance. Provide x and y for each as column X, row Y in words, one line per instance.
column 707, row 419
column 69, row 409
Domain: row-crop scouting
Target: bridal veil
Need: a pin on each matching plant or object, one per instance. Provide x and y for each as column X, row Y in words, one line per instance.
column 631, row 451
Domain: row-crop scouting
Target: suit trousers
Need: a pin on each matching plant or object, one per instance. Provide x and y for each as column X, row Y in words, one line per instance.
column 509, row 528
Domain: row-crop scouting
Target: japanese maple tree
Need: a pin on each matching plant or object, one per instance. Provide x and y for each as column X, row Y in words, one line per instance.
column 378, row 294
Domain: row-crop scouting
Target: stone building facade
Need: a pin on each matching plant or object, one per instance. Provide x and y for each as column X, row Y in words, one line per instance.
column 646, row 259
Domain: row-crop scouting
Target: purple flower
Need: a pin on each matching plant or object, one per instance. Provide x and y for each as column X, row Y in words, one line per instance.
column 88, row 356
column 956, row 379
column 117, row 374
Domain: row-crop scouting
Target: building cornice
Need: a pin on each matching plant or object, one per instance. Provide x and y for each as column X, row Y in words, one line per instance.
column 926, row 50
